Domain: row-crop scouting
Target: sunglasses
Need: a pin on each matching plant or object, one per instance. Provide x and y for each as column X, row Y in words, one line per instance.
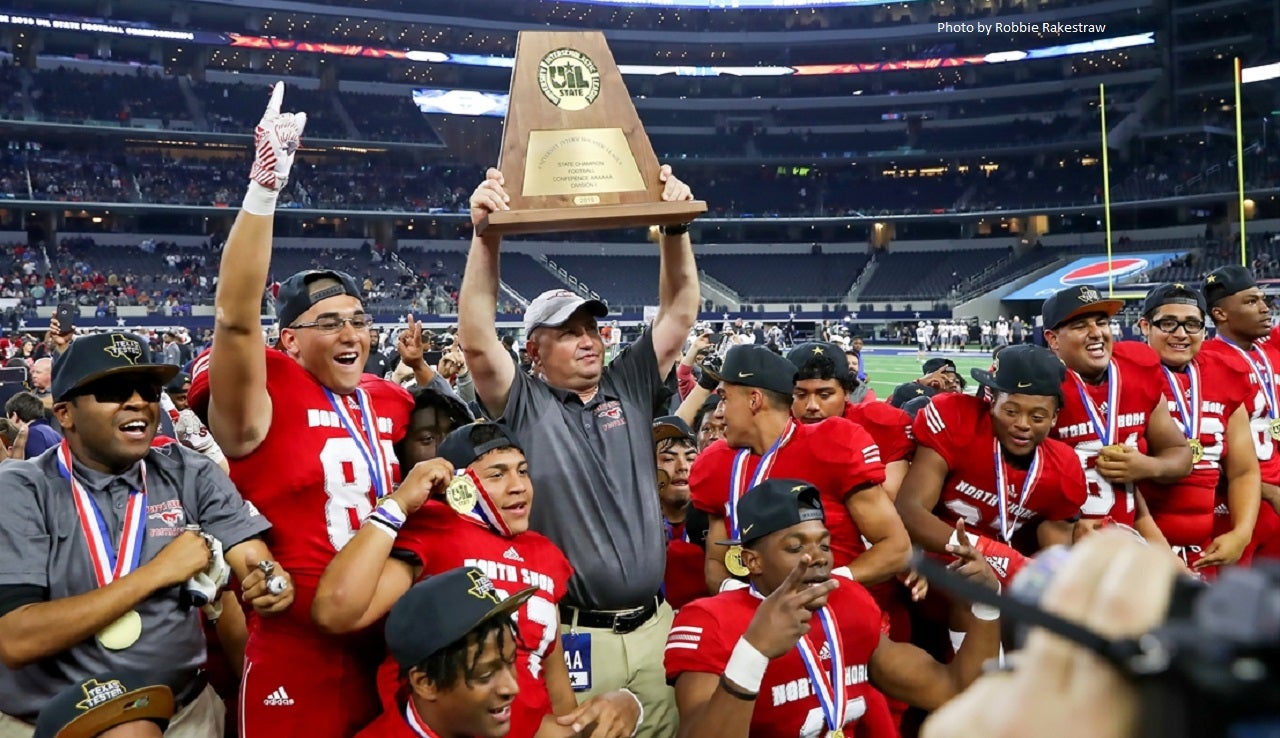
column 118, row 390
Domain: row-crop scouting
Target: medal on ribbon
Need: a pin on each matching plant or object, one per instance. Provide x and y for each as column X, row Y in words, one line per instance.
column 368, row 441
column 829, row 687
column 1105, row 423
column 111, row 561
column 738, row 487
column 1189, row 408
column 468, row 497
column 1008, row 522
column 1265, row 375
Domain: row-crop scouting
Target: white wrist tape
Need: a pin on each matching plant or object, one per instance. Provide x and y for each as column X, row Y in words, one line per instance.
column 984, row 612
column 259, row 200
column 746, row 666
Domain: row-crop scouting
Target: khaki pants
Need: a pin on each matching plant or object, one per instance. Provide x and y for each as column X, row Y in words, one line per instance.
column 203, row 718
column 634, row 660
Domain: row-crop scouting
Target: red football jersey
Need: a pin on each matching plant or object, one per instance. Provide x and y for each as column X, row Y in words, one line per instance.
column 309, row 473
column 443, row 540
column 685, row 580
column 888, row 426
column 834, row 455
column 1218, row 351
column 1141, row 389
column 1184, row 510
column 705, row 632
column 959, row 428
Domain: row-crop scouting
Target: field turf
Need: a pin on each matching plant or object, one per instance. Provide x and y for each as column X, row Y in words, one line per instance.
column 889, row 366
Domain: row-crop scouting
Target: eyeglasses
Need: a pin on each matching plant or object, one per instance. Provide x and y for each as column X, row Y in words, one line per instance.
column 1171, row 325
column 327, row 324
column 118, row 390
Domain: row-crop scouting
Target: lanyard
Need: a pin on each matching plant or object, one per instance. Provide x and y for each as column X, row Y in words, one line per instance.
column 1265, row 374
column 368, row 442
column 671, row 531
column 1007, row 526
column 1105, row 427
column 738, row 485
column 416, row 724
column 1189, row 408
column 110, row 561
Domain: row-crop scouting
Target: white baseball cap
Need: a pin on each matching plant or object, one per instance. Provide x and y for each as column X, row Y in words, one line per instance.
column 553, row 308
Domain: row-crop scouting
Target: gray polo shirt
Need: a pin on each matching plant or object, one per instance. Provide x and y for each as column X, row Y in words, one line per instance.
column 595, row 478
column 41, row 544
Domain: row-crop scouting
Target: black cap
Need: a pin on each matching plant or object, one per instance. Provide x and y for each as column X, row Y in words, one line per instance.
column 774, row 505
column 180, row 380
column 461, row 446
column 807, row 352
column 932, row 365
column 756, row 366
column 456, row 410
column 1171, row 293
column 1226, row 281
column 99, row 355
column 1026, row 370
column 441, row 610
column 294, row 298
column 904, row 393
column 671, row 426
column 1066, row 305
column 915, row 405
column 99, row 703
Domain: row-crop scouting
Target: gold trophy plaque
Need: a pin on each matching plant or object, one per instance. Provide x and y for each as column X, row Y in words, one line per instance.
column 574, row 155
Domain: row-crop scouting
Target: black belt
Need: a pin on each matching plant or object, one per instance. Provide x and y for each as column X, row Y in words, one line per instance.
column 619, row 621
column 191, row 691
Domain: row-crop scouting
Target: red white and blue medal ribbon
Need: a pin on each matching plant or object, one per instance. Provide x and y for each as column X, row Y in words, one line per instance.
column 110, row 561
column 485, row 512
column 368, row 442
column 671, row 531
column 415, row 723
column 830, row 689
column 1265, row 374
column 1003, row 488
column 738, row 484
column 1188, row 408
column 1104, row 424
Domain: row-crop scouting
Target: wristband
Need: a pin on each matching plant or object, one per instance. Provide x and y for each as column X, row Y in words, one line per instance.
column 259, row 200
column 678, row 229
column 639, row 704
column 745, row 668
column 383, row 526
column 390, row 513
column 984, row 612
column 734, row 692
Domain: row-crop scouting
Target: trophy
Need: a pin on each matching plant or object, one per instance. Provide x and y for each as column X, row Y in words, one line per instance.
column 574, row 155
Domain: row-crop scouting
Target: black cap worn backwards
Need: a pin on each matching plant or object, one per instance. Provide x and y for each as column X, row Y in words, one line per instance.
column 756, row 366
column 774, row 505
column 1066, row 305
column 93, row 357
column 671, row 426
column 441, row 610
column 295, row 296
column 1171, row 293
column 932, row 365
column 175, row 385
column 97, row 704
column 817, row 350
column 1024, row 369
column 907, row 391
column 462, row 447
column 1226, row 281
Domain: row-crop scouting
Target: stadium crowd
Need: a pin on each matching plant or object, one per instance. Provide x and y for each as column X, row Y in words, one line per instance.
column 320, row 532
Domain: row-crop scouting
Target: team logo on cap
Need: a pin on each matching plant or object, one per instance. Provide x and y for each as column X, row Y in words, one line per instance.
column 799, row 488
column 483, row 588
column 1088, row 295
column 817, row 350
column 123, row 347
column 96, row 693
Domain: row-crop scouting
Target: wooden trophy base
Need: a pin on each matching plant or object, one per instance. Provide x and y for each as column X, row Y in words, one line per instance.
column 591, row 217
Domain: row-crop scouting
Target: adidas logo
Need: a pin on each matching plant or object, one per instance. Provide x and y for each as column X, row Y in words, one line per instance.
column 825, row 652
column 278, row 698
column 512, row 554
column 1000, row 564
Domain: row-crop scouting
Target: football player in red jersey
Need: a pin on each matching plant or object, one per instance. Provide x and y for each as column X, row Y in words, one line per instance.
column 308, row 439
column 677, row 450
column 1113, row 413
column 993, row 465
column 823, row 385
column 484, row 524
column 763, row 440
column 454, row 640
column 798, row 653
column 1207, row 400
column 1243, row 318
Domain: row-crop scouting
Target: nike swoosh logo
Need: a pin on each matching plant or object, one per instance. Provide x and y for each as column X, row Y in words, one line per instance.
column 747, row 529
column 744, row 375
column 1022, row 385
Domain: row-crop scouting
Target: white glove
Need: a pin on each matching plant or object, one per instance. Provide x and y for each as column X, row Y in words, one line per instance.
column 210, row 581
column 275, row 142
column 191, row 432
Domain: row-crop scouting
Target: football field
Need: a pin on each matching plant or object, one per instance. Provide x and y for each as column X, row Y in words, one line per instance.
column 889, row 366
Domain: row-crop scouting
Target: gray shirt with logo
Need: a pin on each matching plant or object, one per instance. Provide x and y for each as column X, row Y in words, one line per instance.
column 41, row 544
column 595, row 478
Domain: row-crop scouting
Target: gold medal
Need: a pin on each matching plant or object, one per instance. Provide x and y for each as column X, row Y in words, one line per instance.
column 733, row 562
column 1115, row 448
column 836, row 734
column 1275, row 429
column 122, row 633
column 461, row 494
column 1197, row 450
